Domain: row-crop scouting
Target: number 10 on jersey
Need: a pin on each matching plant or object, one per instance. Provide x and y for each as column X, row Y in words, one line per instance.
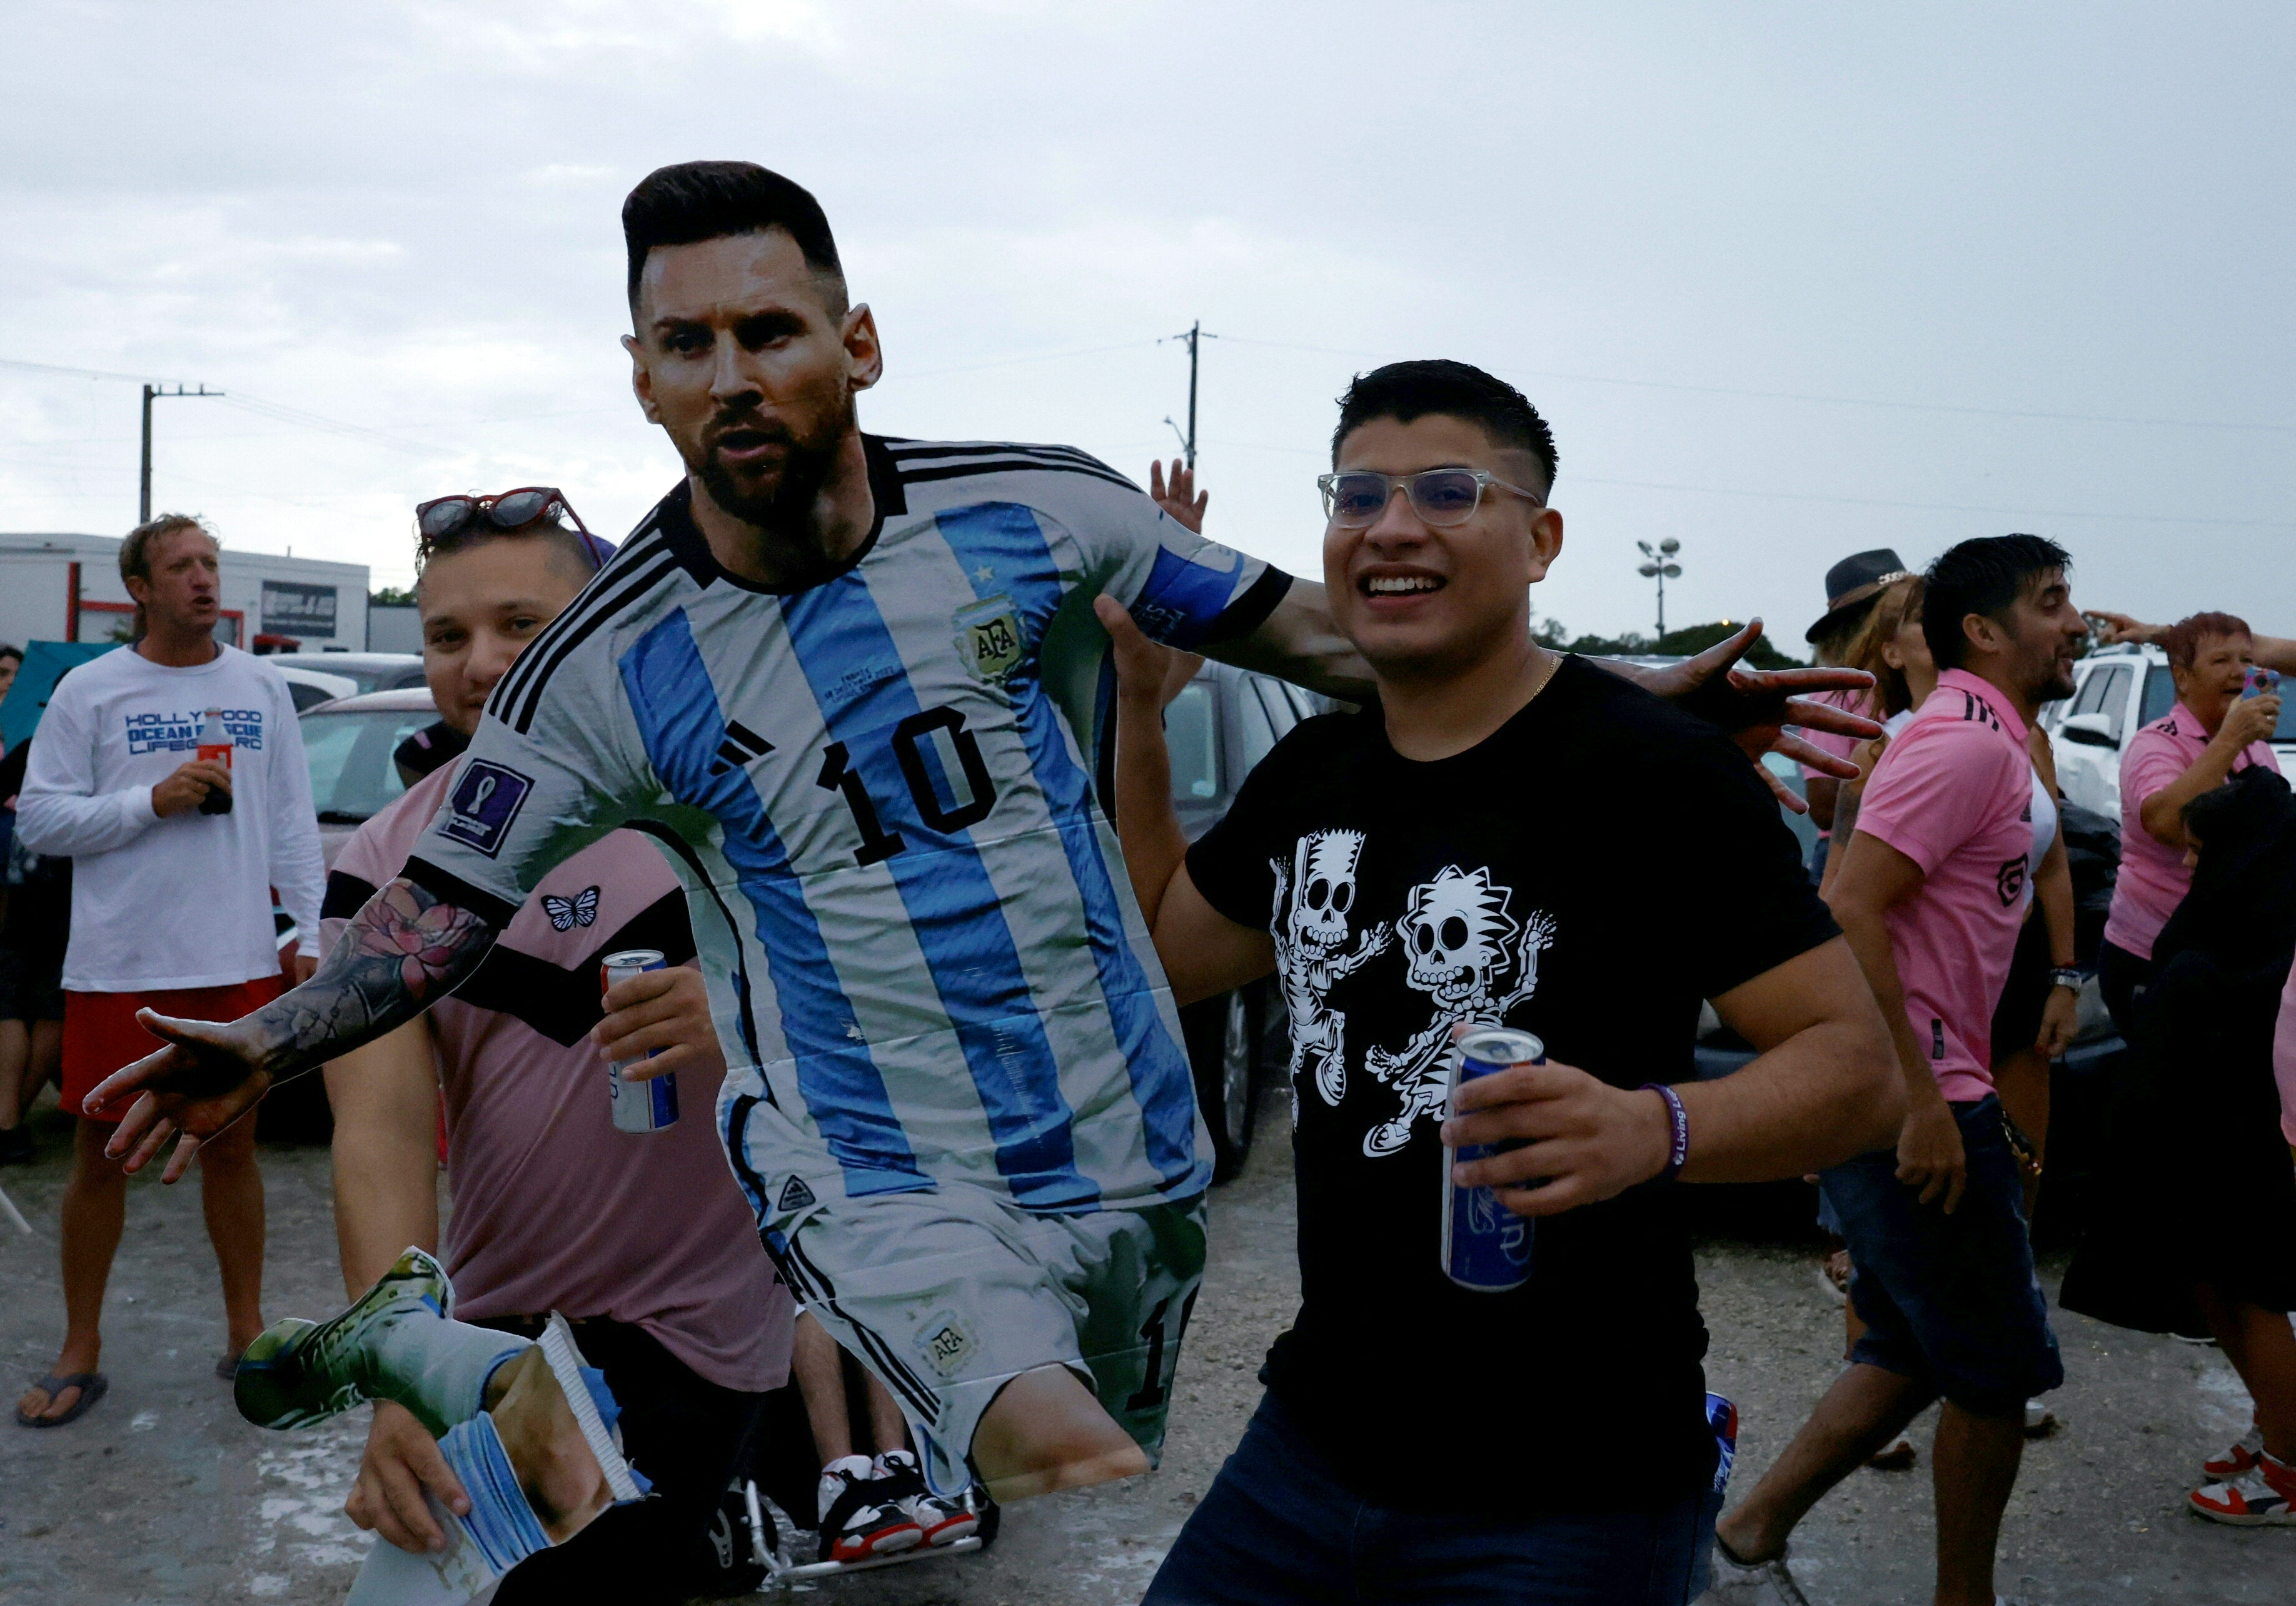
column 841, row 774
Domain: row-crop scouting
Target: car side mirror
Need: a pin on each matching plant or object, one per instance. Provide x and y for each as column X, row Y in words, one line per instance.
column 2090, row 730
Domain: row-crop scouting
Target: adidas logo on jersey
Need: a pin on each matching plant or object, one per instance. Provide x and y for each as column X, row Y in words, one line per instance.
column 741, row 746
column 795, row 1195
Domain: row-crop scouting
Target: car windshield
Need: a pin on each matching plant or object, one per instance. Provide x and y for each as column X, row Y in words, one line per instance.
column 372, row 680
column 368, row 678
column 352, row 775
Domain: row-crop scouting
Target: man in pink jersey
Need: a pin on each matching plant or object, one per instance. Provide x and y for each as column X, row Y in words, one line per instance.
column 642, row 1240
column 1930, row 894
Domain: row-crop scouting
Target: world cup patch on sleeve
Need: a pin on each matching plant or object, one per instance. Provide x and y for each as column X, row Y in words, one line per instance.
column 485, row 801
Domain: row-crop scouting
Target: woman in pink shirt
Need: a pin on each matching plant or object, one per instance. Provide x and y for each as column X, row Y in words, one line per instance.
column 2212, row 734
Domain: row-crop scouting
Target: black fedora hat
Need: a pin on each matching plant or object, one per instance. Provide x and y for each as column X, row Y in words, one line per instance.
column 1856, row 580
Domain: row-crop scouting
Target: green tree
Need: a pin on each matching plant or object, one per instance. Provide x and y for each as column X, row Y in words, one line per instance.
column 1686, row 643
column 1693, row 639
column 392, row 596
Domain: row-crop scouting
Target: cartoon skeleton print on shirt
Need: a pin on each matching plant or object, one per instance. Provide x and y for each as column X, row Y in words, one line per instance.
column 1313, row 895
column 1462, row 948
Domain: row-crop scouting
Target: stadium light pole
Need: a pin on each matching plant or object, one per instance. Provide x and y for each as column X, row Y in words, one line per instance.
column 150, row 393
column 1659, row 564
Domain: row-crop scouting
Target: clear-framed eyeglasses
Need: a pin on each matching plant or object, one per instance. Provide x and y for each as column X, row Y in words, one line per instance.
column 1354, row 498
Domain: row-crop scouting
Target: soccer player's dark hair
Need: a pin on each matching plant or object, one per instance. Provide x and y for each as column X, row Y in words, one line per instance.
column 691, row 201
column 1405, row 391
column 1984, row 575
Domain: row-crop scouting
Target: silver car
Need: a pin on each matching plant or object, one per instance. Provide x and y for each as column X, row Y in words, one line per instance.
column 348, row 744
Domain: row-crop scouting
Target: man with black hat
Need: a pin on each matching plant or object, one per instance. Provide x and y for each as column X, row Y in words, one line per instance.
column 1850, row 587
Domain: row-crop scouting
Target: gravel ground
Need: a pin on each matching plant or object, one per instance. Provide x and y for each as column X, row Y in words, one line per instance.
column 162, row 1495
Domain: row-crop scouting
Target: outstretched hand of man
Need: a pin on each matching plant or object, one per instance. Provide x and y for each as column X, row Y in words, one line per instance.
column 1756, row 706
column 404, row 950
column 207, row 1075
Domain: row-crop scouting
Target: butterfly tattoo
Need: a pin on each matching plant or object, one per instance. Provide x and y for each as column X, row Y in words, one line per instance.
column 566, row 913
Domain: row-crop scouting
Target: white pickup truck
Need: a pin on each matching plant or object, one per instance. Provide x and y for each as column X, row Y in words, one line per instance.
column 2117, row 691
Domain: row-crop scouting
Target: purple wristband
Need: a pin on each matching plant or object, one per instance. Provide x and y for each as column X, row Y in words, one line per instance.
column 1679, row 1150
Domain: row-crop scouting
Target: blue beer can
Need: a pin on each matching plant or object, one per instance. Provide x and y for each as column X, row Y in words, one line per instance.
column 636, row 1106
column 1722, row 1417
column 1486, row 1246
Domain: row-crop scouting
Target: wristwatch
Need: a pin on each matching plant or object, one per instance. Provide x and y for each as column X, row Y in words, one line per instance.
column 2066, row 976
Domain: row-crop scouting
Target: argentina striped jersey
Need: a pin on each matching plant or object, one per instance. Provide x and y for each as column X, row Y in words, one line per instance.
column 924, row 954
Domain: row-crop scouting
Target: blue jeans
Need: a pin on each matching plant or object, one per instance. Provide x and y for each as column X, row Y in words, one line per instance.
column 1277, row 1526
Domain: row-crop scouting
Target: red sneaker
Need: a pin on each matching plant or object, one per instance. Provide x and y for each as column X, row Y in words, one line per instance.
column 2263, row 1495
column 2233, row 1463
column 942, row 1521
column 859, row 1517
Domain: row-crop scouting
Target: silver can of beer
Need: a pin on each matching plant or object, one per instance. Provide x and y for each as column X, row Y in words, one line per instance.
column 646, row 1106
column 1486, row 1246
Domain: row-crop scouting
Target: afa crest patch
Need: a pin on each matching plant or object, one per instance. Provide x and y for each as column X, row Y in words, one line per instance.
column 988, row 638
column 947, row 1343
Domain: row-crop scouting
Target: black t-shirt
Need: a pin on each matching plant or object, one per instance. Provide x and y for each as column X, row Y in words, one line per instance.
column 1589, row 872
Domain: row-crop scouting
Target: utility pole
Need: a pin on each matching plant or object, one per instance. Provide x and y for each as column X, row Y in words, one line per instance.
column 143, row 503
column 1192, row 335
column 1659, row 563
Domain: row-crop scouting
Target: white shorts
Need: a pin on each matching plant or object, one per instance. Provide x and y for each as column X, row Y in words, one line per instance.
column 946, row 1296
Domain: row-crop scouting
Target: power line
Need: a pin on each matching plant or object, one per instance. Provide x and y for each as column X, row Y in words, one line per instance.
column 283, row 414
column 1935, row 507
column 133, row 379
column 1015, row 362
column 1804, row 395
column 1944, row 507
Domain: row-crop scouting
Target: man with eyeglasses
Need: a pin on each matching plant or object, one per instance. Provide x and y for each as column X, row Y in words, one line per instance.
column 1508, row 837
column 860, row 680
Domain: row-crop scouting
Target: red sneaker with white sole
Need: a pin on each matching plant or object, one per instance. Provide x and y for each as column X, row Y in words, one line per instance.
column 860, row 1519
column 2233, row 1463
column 2263, row 1495
column 941, row 1520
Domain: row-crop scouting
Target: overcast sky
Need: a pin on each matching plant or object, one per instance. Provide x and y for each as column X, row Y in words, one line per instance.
column 1789, row 281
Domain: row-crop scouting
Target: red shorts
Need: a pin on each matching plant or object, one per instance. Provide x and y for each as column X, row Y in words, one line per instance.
column 101, row 1034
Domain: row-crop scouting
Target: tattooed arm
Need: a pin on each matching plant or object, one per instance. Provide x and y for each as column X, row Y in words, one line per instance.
column 401, row 953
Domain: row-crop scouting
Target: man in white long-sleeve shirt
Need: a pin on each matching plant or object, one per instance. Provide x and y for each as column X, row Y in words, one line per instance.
column 173, row 861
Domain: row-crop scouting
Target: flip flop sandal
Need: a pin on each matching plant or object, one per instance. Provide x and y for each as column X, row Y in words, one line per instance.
column 92, row 1385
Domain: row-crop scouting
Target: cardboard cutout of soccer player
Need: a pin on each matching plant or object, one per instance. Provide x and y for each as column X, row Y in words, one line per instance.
column 855, row 684
column 527, row 1427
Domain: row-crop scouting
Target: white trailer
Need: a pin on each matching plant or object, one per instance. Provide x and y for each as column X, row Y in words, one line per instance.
column 67, row 588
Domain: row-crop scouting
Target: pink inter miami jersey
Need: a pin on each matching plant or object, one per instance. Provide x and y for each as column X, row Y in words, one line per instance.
column 1954, row 793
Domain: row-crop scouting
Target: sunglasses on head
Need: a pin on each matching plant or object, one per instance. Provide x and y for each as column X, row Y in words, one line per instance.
column 1357, row 497
column 443, row 518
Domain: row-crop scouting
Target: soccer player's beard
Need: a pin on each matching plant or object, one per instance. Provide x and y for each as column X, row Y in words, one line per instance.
column 784, row 512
